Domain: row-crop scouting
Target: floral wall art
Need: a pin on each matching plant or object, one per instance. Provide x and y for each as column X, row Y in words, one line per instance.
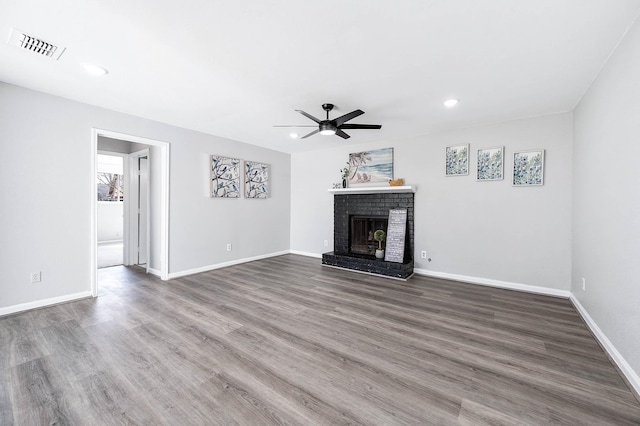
column 528, row 168
column 368, row 167
column 256, row 179
column 457, row 160
column 490, row 164
column 225, row 177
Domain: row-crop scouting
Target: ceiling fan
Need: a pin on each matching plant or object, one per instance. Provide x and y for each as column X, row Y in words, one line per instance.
column 337, row 125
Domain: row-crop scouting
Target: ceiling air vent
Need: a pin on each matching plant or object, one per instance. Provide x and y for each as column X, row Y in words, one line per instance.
column 34, row 44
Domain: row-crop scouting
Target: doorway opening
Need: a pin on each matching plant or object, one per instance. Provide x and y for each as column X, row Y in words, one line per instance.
column 110, row 179
column 145, row 201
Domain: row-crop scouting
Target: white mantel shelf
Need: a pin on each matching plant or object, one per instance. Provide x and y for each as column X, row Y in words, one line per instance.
column 373, row 190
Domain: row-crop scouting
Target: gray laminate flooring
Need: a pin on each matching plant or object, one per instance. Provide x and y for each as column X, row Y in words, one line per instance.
column 286, row 341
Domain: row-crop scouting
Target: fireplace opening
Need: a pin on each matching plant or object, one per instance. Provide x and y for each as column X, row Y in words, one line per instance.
column 361, row 229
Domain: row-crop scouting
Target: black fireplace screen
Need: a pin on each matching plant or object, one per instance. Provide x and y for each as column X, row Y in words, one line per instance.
column 361, row 231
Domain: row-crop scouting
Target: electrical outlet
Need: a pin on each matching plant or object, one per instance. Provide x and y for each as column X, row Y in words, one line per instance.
column 584, row 284
column 326, row 243
column 229, row 247
column 36, row 277
column 423, row 254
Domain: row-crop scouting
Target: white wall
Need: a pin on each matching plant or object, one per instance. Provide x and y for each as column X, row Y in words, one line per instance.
column 110, row 221
column 47, row 228
column 606, row 200
column 480, row 230
column 253, row 226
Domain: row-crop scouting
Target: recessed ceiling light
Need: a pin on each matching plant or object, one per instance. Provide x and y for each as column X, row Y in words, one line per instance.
column 94, row 69
column 293, row 135
column 450, row 103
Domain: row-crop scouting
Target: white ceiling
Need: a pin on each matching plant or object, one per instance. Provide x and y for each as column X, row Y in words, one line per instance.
column 236, row 68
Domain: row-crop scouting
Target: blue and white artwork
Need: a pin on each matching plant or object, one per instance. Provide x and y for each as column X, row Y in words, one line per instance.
column 528, row 168
column 457, row 160
column 256, row 182
column 225, row 177
column 369, row 167
column 490, row 164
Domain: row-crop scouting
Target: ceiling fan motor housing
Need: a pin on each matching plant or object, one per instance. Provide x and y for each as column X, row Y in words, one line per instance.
column 327, row 128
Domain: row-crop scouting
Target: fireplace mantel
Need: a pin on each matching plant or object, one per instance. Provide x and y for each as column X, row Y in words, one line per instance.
column 373, row 190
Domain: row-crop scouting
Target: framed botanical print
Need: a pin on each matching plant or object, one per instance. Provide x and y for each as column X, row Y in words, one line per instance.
column 457, row 160
column 256, row 179
column 490, row 164
column 224, row 177
column 528, row 168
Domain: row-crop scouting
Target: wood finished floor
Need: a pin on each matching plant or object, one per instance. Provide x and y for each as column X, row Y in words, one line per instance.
column 286, row 341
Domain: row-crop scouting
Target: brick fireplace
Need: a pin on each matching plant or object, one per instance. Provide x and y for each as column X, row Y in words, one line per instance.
column 368, row 210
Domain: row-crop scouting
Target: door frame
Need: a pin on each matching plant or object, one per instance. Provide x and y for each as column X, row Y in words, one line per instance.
column 131, row 212
column 164, row 151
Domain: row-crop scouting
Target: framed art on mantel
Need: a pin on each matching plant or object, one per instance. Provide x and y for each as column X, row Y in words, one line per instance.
column 370, row 167
column 457, row 160
column 528, row 168
column 225, row 177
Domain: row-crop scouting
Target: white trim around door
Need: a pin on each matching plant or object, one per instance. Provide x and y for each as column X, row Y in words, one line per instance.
column 164, row 148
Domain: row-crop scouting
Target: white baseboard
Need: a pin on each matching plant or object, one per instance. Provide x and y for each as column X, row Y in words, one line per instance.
column 306, row 253
column 44, row 302
column 495, row 283
column 224, row 264
column 631, row 376
column 155, row 272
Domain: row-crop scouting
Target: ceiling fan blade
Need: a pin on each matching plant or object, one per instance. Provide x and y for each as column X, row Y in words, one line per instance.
column 347, row 117
column 308, row 116
column 342, row 134
column 310, row 134
column 295, row 125
column 361, row 126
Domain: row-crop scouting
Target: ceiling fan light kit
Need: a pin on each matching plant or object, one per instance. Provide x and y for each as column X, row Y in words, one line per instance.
column 335, row 126
column 327, row 129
